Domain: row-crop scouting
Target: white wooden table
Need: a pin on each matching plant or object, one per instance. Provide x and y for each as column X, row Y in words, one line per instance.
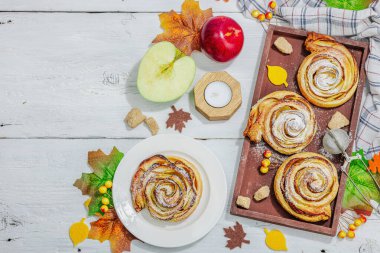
column 67, row 79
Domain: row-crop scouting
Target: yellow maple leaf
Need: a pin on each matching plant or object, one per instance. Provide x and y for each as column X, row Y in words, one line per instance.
column 109, row 227
column 374, row 164
column 184, row 30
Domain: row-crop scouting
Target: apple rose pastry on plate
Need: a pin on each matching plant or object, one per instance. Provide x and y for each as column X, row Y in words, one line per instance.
column 170, row 187
column 328, row 77
column 305, row 185
column 284, row 119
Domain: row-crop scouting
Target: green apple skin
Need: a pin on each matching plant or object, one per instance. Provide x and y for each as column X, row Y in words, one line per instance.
column 165, row 73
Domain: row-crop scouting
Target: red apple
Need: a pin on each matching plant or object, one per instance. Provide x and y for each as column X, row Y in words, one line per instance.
column 222, row 38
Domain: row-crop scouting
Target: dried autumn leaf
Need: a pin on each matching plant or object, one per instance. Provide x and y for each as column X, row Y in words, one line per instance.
column 177, row 118
column 184, row 30
column 110, row 228
column 236, row 236
column 374, row 164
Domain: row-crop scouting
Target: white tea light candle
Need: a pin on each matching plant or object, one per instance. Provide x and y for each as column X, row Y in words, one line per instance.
column 218, row 94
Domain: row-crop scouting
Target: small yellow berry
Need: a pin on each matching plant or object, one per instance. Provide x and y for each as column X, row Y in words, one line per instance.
column 363, row 218
column 357, row 222
column 108, row 184
column 272, row 4
column 105, row 201
column 255, row 13
column 261, row 17
column 267, row 153
column 265, row 162
column 104, row 208
column 264, row 169
column 352, row 227
column 351, row 234
column 102, row 189
column 342, row 234
column 269, row 15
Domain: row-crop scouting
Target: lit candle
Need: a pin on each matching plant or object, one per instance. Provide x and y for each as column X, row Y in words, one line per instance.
column 218, row 94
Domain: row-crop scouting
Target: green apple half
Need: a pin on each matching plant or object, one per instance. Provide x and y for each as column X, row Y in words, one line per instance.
column 165, row 73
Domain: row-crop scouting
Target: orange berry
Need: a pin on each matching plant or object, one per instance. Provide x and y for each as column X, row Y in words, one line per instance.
column 267, row 153
column 269, row 15
column 342, row 234
column 105, row 201
column 108, row 184
column 363, row 219
column 357, row 222
column 104, row 208
column 102, row 189
column 255, row 13
column 261, row 17
column 272, row 4
column 351, row 234
column 265, row 162
column 352, row 227
column 264, row 170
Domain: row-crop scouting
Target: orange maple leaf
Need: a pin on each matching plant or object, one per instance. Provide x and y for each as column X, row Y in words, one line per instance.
column 109, row 227
column 184, row 30
column 374, row 164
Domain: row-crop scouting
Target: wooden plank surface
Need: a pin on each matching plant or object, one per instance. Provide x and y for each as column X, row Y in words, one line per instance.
column 38, row 202
column 67, row 81
column 112, row 5
column 69, row 75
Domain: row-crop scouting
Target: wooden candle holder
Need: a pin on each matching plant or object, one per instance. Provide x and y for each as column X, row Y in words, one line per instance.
column 213, row 113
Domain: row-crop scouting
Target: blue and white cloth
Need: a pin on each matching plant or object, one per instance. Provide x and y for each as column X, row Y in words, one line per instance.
column 313, row 15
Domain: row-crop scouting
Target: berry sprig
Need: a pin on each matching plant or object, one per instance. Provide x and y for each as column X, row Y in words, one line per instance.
column 268, row 160
column 349, row 224
column 265, row 162
column 268, row 15
column 106, row 200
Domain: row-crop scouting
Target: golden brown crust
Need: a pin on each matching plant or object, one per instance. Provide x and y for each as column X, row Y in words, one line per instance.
column 170, row 187
column 284, row 119
column 328, row 76
column 305, row 185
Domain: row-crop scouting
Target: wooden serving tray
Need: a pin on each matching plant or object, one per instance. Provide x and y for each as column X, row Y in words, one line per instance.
column 249, row 179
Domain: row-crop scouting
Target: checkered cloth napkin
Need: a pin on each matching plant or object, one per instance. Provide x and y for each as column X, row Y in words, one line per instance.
column 313, row 15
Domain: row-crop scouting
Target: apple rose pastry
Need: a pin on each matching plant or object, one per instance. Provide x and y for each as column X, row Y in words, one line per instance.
column 305, row 185
column 284, row 119
column 328, row 77
column 169, row 187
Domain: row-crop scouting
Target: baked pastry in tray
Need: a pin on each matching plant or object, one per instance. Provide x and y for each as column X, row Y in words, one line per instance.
column 305, row 185
column 328, row 77
column 170, row 187
column 284, row 119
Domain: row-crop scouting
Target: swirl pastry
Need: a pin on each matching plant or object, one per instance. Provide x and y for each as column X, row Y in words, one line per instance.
column 305, row 185
column 169, row 187
column 328, row 77
column 284, row 119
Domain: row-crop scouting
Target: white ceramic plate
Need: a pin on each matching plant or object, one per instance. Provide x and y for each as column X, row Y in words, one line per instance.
column 205, row 216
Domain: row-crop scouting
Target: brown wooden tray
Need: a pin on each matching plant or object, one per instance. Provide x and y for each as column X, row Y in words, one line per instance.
column 249, row 179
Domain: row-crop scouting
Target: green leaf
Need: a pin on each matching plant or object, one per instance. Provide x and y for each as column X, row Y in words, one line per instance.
column 349, row 4
column 104, row 168
column 352, row 199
